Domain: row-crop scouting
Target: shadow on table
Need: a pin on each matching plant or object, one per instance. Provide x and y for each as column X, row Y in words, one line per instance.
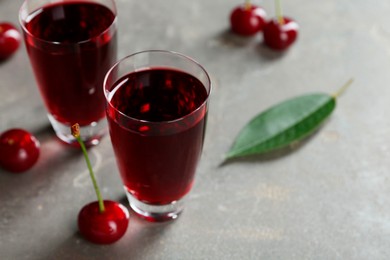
column 273, row 155
column 268, row 54
column 53, row 154
column 230, row 39
column 54, row 159
column 140, row 237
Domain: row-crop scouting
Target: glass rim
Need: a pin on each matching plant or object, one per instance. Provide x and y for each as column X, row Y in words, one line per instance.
column 23, row 11
column 208, row 90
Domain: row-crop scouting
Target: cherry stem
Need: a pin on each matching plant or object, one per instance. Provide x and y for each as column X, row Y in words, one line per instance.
column 76, row 133
column 247, row 5
column 279, row 13
column 342, row 89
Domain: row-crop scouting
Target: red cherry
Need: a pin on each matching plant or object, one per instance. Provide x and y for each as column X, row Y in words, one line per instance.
column 247, row 19
column 103, row 227
column 9, row 40
column 19, row 150
column 280, row 36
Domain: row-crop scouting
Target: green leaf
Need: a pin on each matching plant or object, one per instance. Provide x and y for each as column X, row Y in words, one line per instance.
column 283, row 124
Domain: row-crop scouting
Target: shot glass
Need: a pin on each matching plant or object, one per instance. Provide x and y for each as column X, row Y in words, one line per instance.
column 157, row 104
column 71, row 46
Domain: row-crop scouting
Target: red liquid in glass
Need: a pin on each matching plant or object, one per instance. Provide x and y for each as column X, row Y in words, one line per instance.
column 70, row 73
column 157, row 160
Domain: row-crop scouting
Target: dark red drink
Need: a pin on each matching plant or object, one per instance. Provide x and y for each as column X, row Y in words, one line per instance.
column 157, row 121
column 71, row 46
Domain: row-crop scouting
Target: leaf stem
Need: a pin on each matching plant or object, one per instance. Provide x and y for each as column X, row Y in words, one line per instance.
column 278, row 11
column 342, row 89
column 76, row 134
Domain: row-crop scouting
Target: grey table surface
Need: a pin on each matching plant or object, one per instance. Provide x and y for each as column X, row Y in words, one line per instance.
column 327, row 199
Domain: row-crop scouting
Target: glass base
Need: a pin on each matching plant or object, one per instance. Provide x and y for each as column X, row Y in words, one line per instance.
column 90, row 134
column 155, row 213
